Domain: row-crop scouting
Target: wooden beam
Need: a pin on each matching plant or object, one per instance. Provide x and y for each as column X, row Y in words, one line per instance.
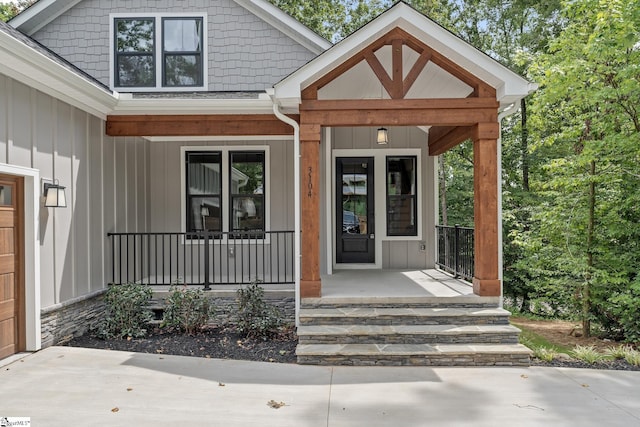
column 452, row 137
column 310, row 283
column 397, row 88
column 486, row 281
column 481, row 88
column 461, row 112
column 415, row 71
column 198, row 125
column 380, row 72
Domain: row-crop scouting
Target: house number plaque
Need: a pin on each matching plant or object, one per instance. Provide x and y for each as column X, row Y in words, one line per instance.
column 310, row 184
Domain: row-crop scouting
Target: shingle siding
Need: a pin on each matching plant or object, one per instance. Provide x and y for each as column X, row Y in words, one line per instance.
column 245, row 53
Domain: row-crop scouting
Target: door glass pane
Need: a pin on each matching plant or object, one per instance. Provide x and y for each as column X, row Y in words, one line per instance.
column 354, row 198
column 6, row 195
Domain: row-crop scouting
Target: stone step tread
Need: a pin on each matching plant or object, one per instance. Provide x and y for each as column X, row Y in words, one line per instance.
column 400, row 312
column 376, row 330
column 383, row 350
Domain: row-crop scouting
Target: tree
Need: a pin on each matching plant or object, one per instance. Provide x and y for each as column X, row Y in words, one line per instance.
column 9, row 10
column 587, row 122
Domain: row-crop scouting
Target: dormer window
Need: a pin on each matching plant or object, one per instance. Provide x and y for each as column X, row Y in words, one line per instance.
column 158, row 52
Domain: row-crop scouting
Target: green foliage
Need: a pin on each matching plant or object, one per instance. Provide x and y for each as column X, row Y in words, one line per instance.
column 256, row 317
column 632, row 356
column 619, row 351
column 626, row 308
column 187, row 309
column 11, row 9
column 545, row 354
column 127, row 312
column 587, row 354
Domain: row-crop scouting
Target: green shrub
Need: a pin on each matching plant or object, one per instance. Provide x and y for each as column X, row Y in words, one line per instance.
column 256, row 317
column 545, row 354
column 127, row 311
column 626, row 306
column 632, row 357
column 587, row 354
column 187, row 309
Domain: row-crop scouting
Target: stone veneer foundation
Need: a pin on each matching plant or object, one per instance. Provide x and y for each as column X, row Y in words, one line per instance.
column 71, row 318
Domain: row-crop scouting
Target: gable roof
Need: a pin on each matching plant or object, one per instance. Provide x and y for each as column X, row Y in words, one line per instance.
column 510, row 87
column 43, row 12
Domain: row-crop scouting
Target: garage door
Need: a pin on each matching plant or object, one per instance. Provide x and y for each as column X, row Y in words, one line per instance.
column 11, row 289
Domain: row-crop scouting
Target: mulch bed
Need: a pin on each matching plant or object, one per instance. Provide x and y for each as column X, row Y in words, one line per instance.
column 616, row 365
column 212, row 342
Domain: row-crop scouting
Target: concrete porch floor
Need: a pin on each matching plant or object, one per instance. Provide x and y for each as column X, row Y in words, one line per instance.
column 413, row 285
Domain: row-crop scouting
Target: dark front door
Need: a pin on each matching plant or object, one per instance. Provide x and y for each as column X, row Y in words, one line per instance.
column 355, row 240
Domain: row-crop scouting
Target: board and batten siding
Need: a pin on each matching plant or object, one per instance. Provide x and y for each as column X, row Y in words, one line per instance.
column 244, row 52
column 105, row 180
column 165, row 182
column 396, row 252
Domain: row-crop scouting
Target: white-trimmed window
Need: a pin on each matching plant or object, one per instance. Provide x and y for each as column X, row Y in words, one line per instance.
column 225, row 189
column 158, row 52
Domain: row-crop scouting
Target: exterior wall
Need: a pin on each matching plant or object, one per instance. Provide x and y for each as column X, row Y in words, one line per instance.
column 245, row 53
column 165, row 182
column 397, row 253
column 67, row 144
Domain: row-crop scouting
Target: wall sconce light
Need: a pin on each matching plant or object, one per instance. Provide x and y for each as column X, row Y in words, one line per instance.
column 54, row 196
column 383, row 136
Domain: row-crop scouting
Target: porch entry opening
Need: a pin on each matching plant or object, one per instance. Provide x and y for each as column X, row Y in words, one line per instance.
column 355, row 227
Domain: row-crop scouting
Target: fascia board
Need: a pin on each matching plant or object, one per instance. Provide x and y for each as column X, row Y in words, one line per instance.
column 40, row 14
column 286, row 24
column 30, row 67
column 129, row 106
column 401, row 15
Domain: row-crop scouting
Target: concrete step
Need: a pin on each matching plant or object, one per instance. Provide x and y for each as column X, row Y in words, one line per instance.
column 470, row 301
column 408, row 334
column 414, row 354
column 404, row 316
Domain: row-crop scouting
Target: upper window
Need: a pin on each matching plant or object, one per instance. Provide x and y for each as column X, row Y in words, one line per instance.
column 402, row 193
column 159, row 52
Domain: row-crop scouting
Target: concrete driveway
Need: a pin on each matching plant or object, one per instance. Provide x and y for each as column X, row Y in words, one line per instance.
column 63, row 386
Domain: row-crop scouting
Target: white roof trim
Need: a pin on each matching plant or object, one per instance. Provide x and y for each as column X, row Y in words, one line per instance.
column 28, row 66
column 130, row 106
column 509, row 85
column 286, row 24
column 40, row 14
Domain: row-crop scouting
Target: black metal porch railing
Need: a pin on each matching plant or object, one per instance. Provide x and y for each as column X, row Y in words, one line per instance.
column 455, row 250
column 202, row 258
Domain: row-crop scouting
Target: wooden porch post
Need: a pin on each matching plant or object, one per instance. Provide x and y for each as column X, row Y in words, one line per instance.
column 486, row 280
column 310, row 136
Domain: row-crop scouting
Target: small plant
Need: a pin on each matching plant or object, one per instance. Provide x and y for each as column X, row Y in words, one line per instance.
column 187, row 309
column 587, row 354
column 257, row 318
column 127, row 311
column 545, row 354
column 617, row 352
column 633, row 357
